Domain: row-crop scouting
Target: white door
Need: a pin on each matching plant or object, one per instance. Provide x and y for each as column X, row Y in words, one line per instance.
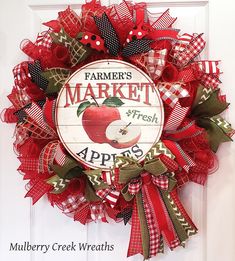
column 212, row 208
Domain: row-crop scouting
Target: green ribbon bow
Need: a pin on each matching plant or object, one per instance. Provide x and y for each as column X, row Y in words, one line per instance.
column 71, row 169
column 206, row 108
column 130, row 169
column 134, row 169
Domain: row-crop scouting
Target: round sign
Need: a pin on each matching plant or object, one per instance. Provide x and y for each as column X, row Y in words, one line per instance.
column 109, row 108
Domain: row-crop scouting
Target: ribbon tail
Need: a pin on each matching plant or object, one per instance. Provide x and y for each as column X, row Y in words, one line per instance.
column 39, row 189
column 159, row 211
column 83, row 214
column 180, row 219
column 143, row 226
column 135, row 244
column 175, row 198
column 175, row 217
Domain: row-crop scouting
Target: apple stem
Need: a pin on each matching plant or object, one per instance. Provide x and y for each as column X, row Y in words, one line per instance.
column 124, row 131
column 95, row 101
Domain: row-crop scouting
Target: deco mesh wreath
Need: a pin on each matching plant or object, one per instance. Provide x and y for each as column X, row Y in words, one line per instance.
column 140, row 192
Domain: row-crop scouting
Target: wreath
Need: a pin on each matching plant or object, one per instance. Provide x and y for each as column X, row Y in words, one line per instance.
column 143, row 193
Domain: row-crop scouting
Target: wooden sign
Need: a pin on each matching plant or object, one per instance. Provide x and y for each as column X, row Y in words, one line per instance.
column 109, row 108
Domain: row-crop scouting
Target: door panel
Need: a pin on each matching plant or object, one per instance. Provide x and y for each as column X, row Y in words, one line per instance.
column 42, row 224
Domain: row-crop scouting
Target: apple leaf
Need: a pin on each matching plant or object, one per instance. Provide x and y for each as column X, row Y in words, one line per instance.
column 113, row 102
column 82, row 107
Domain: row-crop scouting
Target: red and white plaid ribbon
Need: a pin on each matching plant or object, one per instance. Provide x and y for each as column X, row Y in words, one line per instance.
column 97, row 212
column 108, row 195
column 44, row 39
column 154, row 236
column 71, row 204
column 134, row 186
column 155, row 62
column 181, row 44
column 160, row 181
column 21, row 75
column 170, row 93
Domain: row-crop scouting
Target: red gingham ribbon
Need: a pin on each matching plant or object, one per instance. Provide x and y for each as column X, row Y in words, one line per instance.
column 153, row 198
column 135, row 244
column 60, row 156
column 44, row 39
column 192, row 50
column 71, row 203
column 181, row 44
column 161, row 182
column 135, row 186
column 154, row 236
column 97, row 212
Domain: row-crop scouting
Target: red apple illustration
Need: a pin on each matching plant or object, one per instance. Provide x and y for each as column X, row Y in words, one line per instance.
column 96, row 118
column 121, row 135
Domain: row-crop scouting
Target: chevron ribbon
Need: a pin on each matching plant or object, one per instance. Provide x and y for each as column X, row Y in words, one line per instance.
column 58, row 183
column 205, row 95
column 102, row 182
column 206, row 111
column 223, row 124
column 94, row 177
column 158, row 149
column 184, row 220
column 78, row 52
